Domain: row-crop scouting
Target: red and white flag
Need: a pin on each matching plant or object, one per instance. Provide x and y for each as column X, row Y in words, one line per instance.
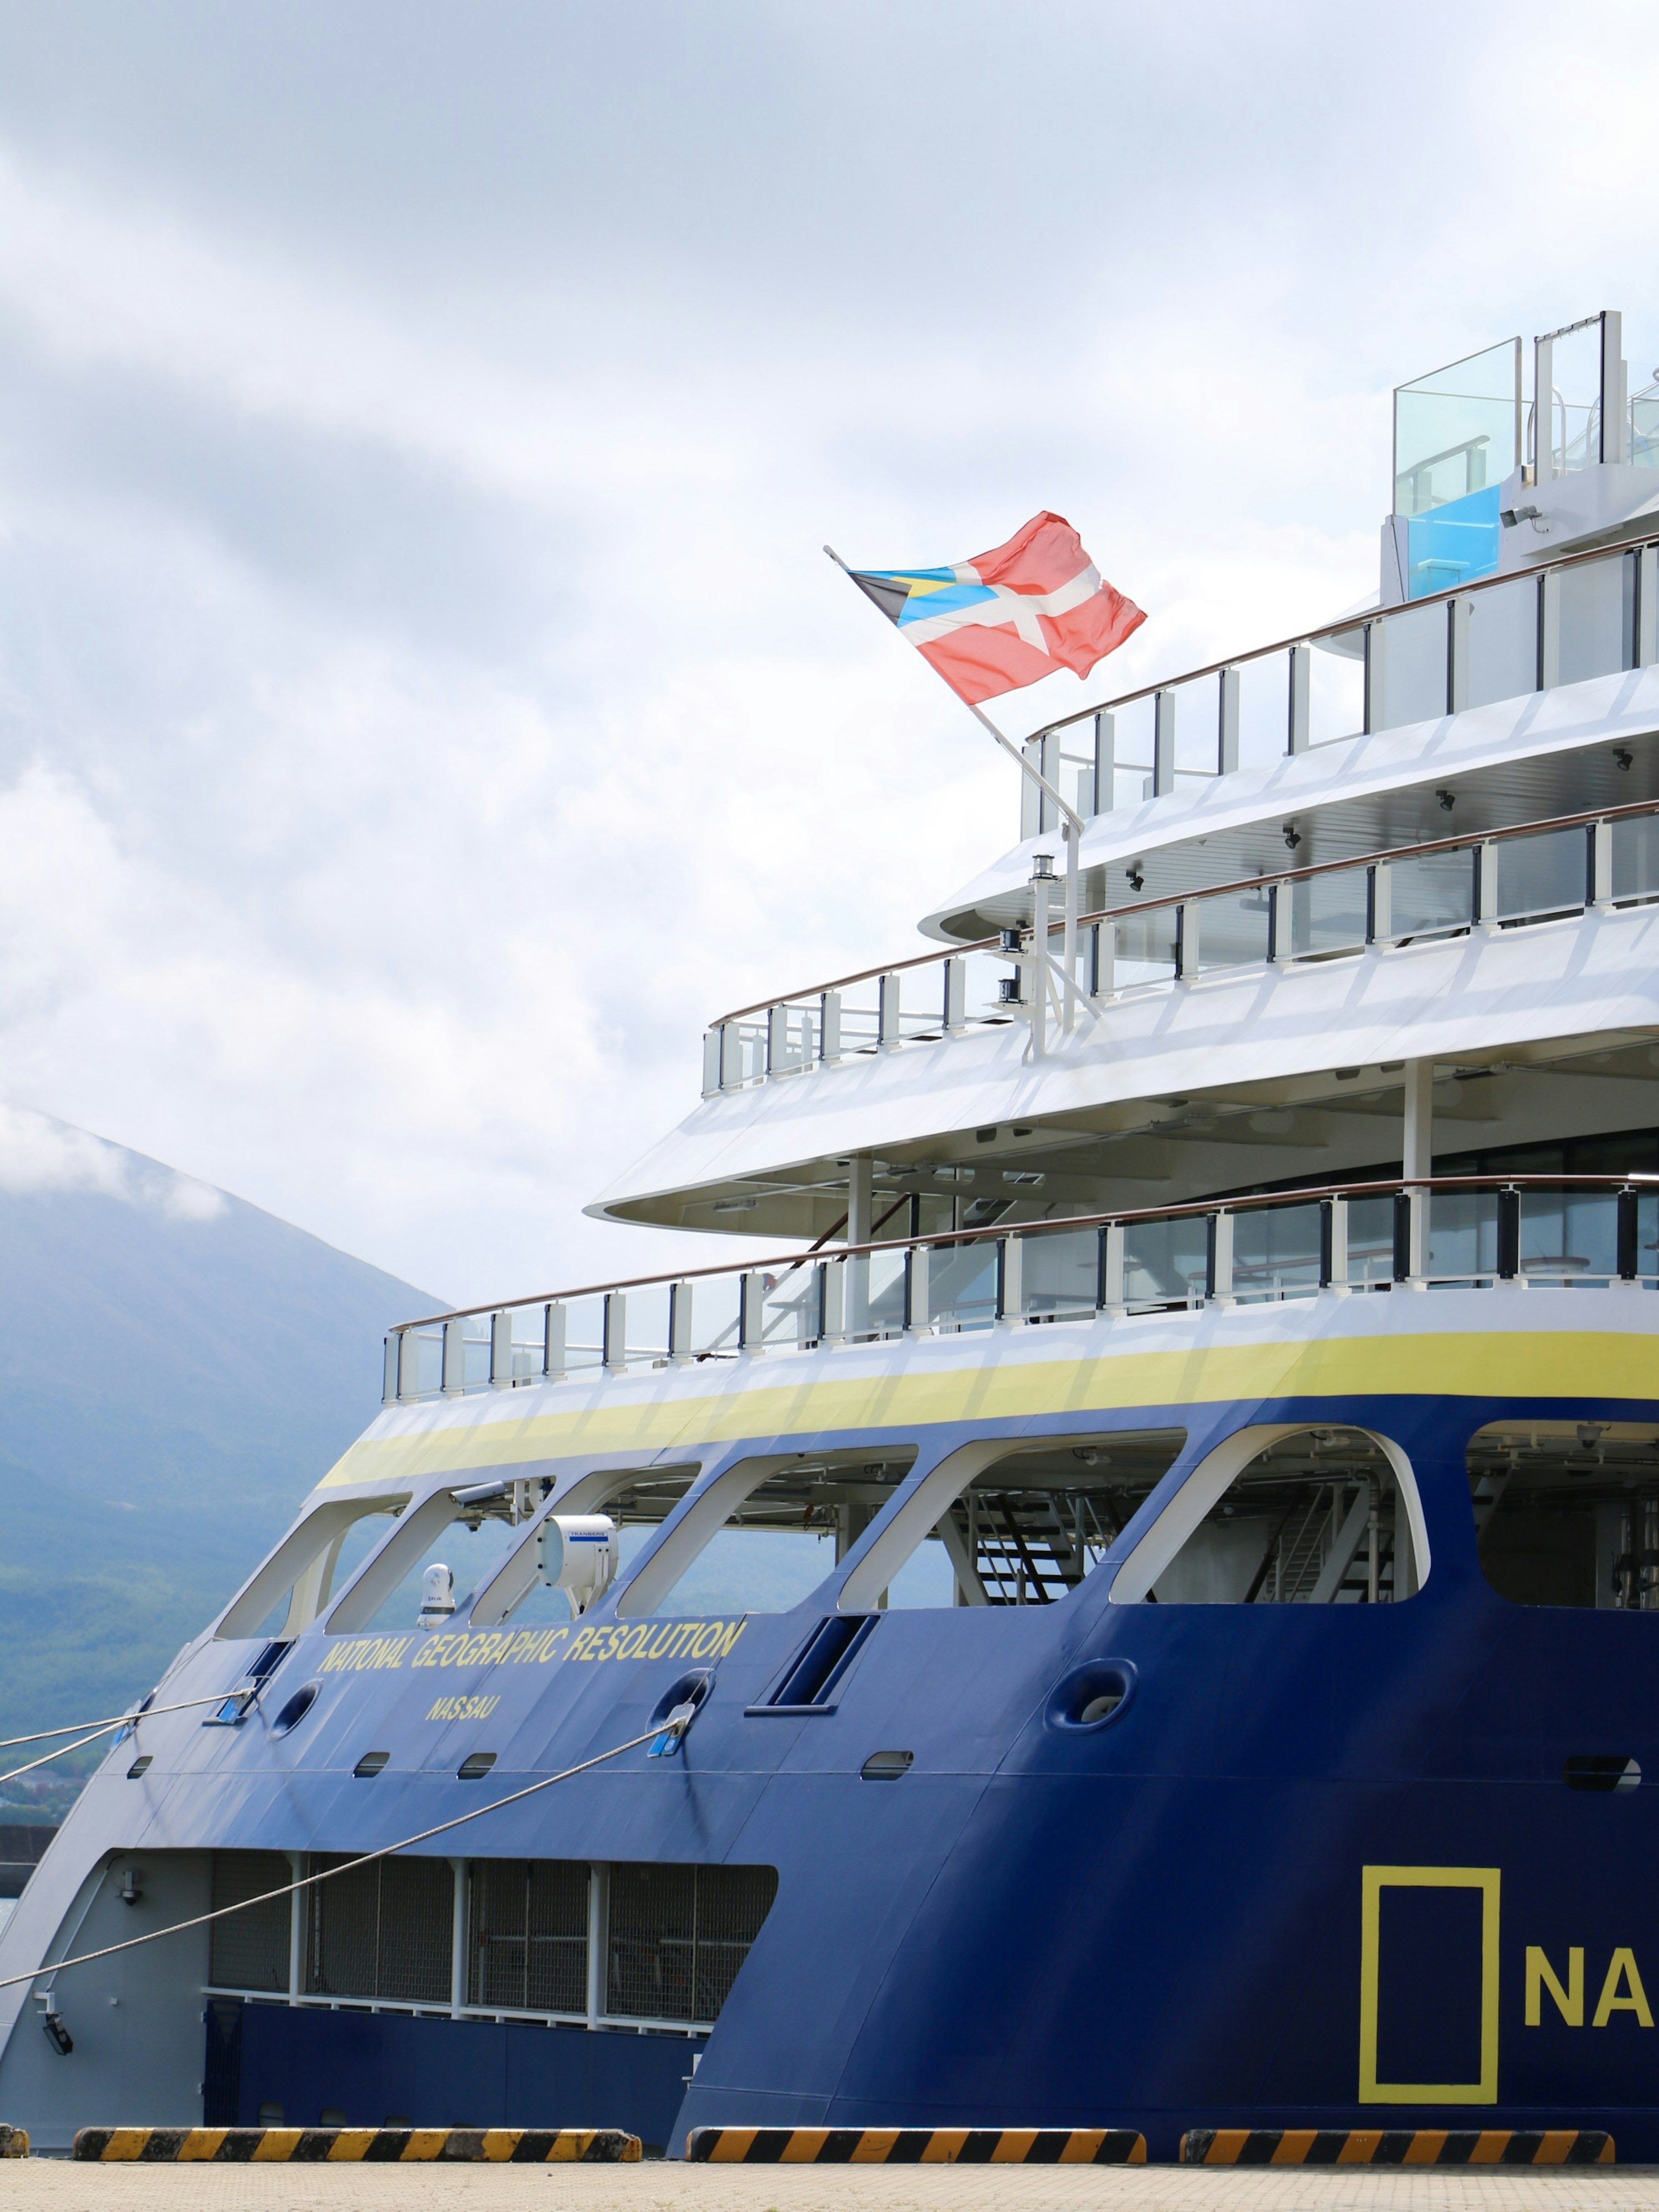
column 1009, row 617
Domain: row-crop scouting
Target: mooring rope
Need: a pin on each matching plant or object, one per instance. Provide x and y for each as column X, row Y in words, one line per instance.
column 676, row 1725
column 100, row 1728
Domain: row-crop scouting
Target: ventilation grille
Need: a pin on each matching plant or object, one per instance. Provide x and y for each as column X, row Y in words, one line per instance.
column 382, row 1931
column 528, row 1947
column 678, row 1936
column 249, row 1951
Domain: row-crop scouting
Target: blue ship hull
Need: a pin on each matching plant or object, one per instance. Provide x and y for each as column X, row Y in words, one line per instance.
column 1162, row 1922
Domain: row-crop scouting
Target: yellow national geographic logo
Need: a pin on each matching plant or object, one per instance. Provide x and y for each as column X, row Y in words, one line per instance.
column 1375, row 1880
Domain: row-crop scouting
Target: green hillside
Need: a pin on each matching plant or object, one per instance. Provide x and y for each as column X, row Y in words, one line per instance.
column 177, row 1369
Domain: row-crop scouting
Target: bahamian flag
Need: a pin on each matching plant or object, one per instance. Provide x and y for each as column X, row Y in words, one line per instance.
column 1008, row 616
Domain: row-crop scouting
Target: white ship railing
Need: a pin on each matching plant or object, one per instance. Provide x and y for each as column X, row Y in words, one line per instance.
column 1582, row 615
column 1526, row 873
column 1506, row 1233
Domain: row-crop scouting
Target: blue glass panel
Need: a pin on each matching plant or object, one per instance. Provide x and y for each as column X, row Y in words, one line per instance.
column 1452, row 543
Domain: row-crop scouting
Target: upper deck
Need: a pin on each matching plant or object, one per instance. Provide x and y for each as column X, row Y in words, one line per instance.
column 1425, row 832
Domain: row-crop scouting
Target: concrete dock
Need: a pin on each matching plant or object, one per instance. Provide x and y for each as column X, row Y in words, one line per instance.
column 57, row 2185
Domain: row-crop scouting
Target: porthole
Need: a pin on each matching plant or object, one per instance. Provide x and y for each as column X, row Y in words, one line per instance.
column 296, row 1708
column 1093, row 1696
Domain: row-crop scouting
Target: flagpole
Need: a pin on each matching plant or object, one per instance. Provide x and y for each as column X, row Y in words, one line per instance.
column 1070, row 830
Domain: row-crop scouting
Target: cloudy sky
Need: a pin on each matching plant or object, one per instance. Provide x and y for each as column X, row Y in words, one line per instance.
column 422, row 699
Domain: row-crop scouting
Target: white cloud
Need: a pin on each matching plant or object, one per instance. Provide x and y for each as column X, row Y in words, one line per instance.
column 422, row 701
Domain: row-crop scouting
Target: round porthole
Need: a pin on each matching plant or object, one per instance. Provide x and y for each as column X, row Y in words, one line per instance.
column 296, row 1708
column 689, row 1690
column 1092, row 1696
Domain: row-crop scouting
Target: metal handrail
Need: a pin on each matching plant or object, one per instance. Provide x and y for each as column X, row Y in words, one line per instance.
column 1189, row 1209
column 1342, row 628
column 1458, row 842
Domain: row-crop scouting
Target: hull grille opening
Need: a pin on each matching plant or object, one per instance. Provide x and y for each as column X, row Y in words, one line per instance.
column 528, row 1948
column 249, row 1951
column 678, row 1936
column 382, row 1931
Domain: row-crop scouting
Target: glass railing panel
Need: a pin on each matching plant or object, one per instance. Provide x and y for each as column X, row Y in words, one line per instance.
column 961, row 1285
column 1410, row 685
column 1647, row 1237
column 1323, row 914
column 1462, row 1236
column 421, row 1369
column 1645, row 427
column 984, row 1000
column 1636, row 858
column 1371, row 1240
column 1232, row 929
column 528, row 1350
column 1541, row 875
column 1457, row 430
column 795, row 1036
column 1060, row 1274
column 874, row 1294
column 712, row 1330
column 1146, row 946
column 1572, row 428
column 1165, row 1262
column 1336, row 687
column 1276, row 1251
column 1197, row 725
column 1132, row 753
column 860, row 1019
column 1597, row 616
column 645, row 1327
column 1569, row 1236
column 1503, row 642
column 1429, row 894
column 584, row 1333
column 791, row 1306
column 474, row 1351
column 1264, row 710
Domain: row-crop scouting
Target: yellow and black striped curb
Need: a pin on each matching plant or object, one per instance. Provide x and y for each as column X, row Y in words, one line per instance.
column 13, row 2142
column 1396, row 2147
column 305, row 2146
column 916, row 2146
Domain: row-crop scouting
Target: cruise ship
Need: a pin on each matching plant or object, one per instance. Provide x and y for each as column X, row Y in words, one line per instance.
column 1096, row 1627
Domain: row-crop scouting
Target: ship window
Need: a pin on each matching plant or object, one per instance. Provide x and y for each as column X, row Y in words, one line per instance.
column 249, row 1951
column 765, row 1534
column 1567, row 1512
column 639, row 1500
column 317, row 1557
column 994, row 1526
column 471, row 1536
column 678, row 1935
column 382, row 1931
column 1312, row 1516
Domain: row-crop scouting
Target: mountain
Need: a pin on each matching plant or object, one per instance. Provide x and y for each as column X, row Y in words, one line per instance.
column 177, row 1369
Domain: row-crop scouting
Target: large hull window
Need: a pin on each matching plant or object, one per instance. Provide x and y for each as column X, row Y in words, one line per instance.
column 311, row 1563
column 1567, row 1513
column 762, row 1537
column 1303, row 1516
column 996, row 1526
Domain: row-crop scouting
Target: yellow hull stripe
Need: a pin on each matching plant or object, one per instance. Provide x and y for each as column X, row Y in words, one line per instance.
column 807, row 1399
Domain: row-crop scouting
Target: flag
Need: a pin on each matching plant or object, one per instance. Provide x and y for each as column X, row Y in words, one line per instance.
column 1008, row 616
